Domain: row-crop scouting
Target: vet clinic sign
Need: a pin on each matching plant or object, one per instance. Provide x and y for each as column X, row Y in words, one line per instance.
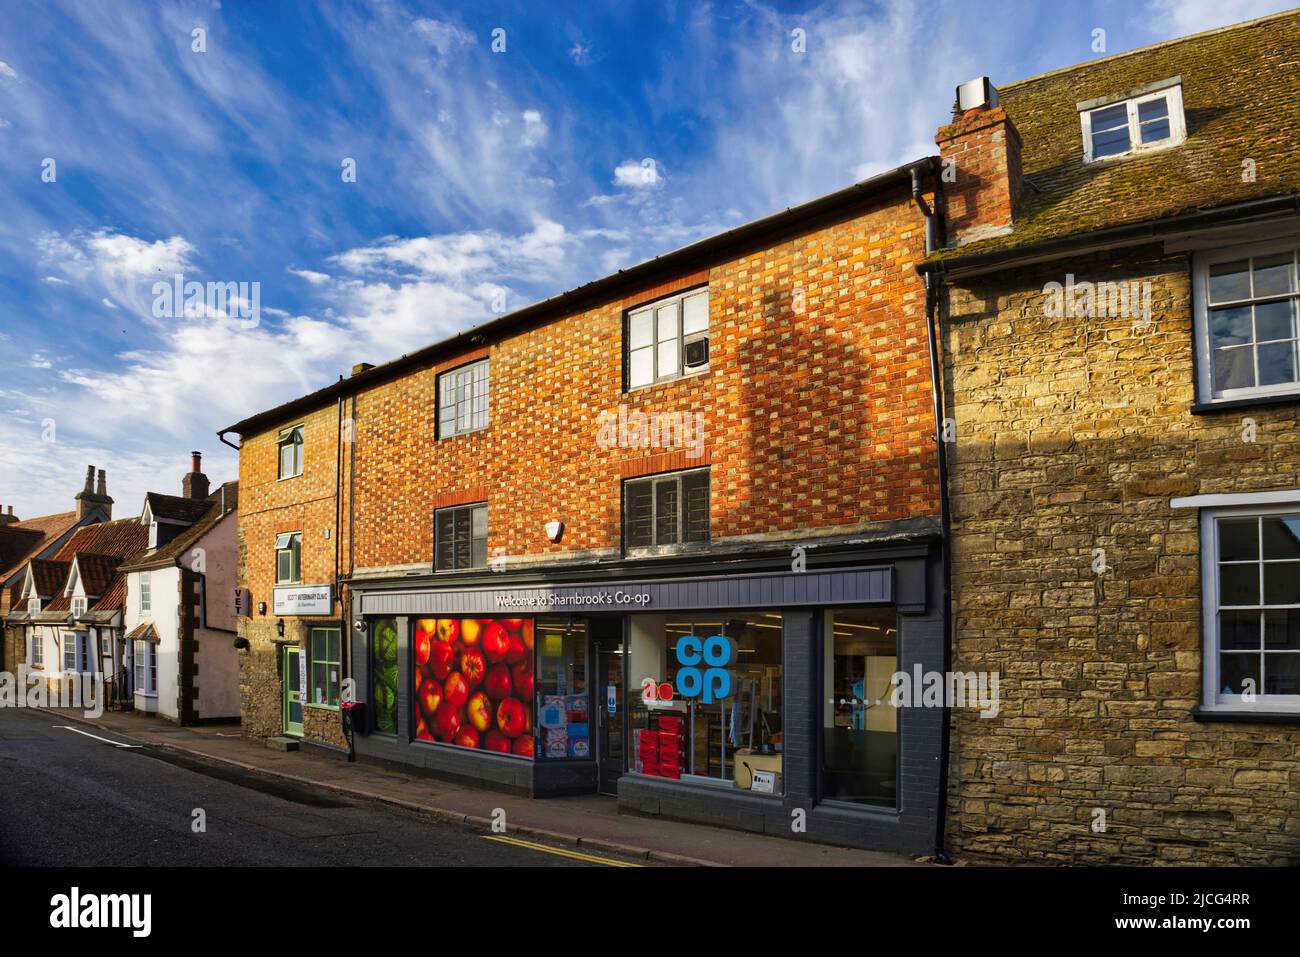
column 703, row 667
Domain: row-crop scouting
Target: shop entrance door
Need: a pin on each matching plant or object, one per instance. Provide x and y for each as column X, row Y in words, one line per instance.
column 607, row 690
column 292, row 692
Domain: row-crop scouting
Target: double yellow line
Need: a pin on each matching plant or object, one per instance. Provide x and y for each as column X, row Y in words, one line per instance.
column 559, row 851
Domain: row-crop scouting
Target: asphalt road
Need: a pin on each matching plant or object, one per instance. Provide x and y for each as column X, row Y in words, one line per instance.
column 69, row 799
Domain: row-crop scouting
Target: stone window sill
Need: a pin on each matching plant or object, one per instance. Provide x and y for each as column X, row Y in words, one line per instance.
column 1246, row 717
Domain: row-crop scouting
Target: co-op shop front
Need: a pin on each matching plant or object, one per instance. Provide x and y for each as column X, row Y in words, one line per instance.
column 746, row 700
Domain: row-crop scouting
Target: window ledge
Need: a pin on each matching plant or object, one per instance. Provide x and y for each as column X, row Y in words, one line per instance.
column 1210, row 715
column 1256, row 402
column 664, row 383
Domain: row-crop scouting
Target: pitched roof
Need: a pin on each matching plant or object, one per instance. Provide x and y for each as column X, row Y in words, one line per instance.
column 23, row 541
column 49, row 576
column 96, row 571
column 122, row 538
column 145, row 631
column 176, row 507
column 114, row 597
column 178, row 546
column 1240, row 86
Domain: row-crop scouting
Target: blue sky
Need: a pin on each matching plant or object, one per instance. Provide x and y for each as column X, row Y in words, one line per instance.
column 603, row 134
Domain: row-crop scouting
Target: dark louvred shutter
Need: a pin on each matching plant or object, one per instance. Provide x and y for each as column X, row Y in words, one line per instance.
column 667, row 504
column 695, row 494
column 443, row 555
column 637, row 514
column 464, row 537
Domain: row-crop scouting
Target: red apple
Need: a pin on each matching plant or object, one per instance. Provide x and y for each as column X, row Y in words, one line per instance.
column 473, row 666
column 522, row 679
column 447, row 721
column 497, row 683
column 513, row 623
column 455, row 691
column 496, row 642
column 517, row 652
column 422, row 731
column 496, row 741
column 479, row 711
column 442, row 658
column 512, row 716
column 526, row 633
column 467, row 738
column 448, row 629
column 470, row 629
column 423, row 646
column 430, row 697
column 523, row 746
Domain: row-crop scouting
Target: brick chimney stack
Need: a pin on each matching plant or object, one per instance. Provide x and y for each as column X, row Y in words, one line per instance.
column 91, row 498
column 983, row 180
column 8, row 518
column 195, row 484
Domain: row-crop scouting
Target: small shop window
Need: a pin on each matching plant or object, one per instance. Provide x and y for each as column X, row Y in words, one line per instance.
column 384, row 674
column 290, row 446
column 325, row 667
column 670, row 509
column 288, row 558
column 460, row 537
column 859, row 718
column 473, row 683
column 708, row 698
column 562, row 681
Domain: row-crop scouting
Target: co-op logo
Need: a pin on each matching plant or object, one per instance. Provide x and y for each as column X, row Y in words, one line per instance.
column 710, row 683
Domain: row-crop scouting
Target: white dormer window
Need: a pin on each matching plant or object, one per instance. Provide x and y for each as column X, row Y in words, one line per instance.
column 1152, row 119
column 33, row 605
column 78, row 607
column 153, row 534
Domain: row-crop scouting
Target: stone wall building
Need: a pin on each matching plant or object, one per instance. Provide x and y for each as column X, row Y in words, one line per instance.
column 1119, row 338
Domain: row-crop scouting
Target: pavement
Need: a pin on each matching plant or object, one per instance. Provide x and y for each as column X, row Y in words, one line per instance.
column 587, row 823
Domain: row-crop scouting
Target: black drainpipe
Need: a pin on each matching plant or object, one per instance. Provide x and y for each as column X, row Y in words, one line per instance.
column 945, row 514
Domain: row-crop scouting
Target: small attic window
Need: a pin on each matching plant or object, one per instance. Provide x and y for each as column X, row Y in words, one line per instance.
column 1148, row 119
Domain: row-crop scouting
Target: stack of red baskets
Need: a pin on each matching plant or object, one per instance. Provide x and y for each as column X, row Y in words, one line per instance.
column 670, row 746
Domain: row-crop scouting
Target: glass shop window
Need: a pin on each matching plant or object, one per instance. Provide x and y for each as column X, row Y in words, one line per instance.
column 707, row 698
column 859, row 723
column 562, row 682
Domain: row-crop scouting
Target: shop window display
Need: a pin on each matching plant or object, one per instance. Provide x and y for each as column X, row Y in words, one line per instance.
column 859, row 723
column 383, row 674
column 474, row 683
column 684, row 725
column 562, row 699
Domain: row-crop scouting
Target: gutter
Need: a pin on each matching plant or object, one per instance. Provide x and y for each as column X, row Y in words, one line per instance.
column 979, row 263
column 932, row 286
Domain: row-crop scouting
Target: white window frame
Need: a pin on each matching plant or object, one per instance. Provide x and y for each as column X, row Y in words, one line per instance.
column 1211, row 699
column 144, row 668
column 36, row 651
column 78, row 606
column 1173, row 94
column 288, row 539
column 146, row 594
column 71, row 643
column 681, row 337
column 1201, row 264
column 292, row 435
column 463, row 383
column 33, row 606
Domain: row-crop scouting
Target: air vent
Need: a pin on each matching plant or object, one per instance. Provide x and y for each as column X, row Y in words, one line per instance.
column 697, row 353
